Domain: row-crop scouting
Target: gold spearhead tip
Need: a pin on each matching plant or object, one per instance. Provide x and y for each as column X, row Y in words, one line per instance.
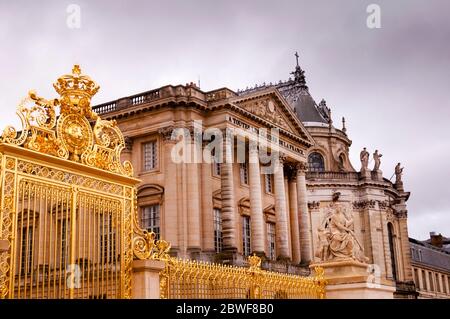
column 76, row 70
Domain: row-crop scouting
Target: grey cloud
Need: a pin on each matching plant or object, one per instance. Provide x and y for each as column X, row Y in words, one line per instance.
column 391, row 84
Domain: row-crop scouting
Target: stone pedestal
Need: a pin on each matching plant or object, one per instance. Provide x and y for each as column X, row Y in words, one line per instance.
column 3, row 245
column 146, row 279
column 365, row 174
column 378, row 175
column 350, row 279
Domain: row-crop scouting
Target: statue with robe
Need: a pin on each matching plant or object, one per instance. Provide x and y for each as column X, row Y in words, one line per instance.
column 337, row 239
column 364, row 157
column 377, row 158
column 398, row 174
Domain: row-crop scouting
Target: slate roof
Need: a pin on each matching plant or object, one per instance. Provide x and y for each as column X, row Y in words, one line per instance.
column 430, row 255
column 296, row 93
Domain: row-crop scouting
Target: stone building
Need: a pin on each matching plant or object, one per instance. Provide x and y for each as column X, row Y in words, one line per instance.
column 224, row 211
column 431, row 266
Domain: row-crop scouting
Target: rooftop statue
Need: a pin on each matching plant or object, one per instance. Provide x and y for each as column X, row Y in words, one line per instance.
column 364, row 157
column 377, row 158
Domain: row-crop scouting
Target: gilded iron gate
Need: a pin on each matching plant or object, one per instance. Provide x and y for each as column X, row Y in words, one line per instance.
column 67, row 202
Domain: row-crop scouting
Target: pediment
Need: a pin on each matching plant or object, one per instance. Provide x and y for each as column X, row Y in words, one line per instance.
column 271, row 106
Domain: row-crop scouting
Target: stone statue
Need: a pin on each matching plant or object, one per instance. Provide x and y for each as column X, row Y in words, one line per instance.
column 377, row 159
column 364, row 156
column 337, row 240
column 398, row 174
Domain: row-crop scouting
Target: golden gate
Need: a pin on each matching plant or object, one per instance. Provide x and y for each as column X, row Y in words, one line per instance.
column 67, row 202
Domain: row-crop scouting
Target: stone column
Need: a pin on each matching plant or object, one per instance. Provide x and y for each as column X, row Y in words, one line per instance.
column 146, row 279
column 207, row 208
column 404, row 242
column 293, row 214
column 193, row 208
column 304, row 221
column 227, row 194
column 170, row 218
column 256, row 211
column 281, row 214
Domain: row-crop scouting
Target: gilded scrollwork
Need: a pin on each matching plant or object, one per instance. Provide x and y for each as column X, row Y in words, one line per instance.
column 71, row 135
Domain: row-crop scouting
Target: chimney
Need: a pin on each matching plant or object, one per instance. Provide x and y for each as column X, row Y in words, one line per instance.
column 436, row 240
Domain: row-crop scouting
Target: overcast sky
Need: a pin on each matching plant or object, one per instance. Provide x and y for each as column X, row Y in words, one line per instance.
column 391, row 83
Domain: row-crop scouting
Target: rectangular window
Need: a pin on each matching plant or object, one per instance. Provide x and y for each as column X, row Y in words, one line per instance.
column 218, row 239
column 448, row 284
column 246, row 248
column 150, row 155
column 216, row 169
column 244, row 173
column 416, row 277
column 26, row 249
column 271, row 240
column 150, row 219
column 268, row 183
column 420, row 255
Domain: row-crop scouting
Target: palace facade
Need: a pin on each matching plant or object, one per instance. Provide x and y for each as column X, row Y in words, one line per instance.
column 431, row 266
column 225, row 210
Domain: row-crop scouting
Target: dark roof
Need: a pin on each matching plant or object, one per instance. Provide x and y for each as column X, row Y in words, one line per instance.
column 296, row 93
column 424, row 253
column 302, row 102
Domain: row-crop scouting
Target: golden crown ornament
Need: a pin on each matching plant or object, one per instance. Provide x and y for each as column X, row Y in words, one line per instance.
column 71, row 135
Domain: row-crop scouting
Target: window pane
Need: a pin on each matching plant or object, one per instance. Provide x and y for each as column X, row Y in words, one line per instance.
column 218, row 239
column 268, row 183
column 246, row 248
column 244, row 173
column 150, row 156
column 316, row 162
column 150, row 219
column 271, row 240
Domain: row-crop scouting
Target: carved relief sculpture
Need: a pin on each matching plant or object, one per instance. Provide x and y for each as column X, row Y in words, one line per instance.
column 337, row 239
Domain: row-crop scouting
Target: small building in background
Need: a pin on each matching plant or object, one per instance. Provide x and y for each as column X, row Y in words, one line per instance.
column 430, row 260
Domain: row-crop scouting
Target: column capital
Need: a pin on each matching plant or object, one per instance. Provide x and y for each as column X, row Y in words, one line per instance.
column 128, row 143
column 301, row 167
column 291, row 171
column 282, row 158
column 166, row 133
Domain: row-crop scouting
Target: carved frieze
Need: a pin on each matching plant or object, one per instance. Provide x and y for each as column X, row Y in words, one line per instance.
column 363, row 204
column 313, row 205
column 267, row 110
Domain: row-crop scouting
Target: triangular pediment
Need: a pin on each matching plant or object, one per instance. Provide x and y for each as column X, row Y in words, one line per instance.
column 269, row 105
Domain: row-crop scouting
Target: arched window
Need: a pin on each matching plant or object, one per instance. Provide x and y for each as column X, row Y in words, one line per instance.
column 392, row 250
column 316, row 162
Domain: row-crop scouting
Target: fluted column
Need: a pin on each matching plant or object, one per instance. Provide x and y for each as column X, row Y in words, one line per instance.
column 256, row 211
column 193, row 207
column 304, row 222
column 207, row 214
column 404, row 242
column 170, row 219
column 228, row 201
column 293, row 214
column 281, row 214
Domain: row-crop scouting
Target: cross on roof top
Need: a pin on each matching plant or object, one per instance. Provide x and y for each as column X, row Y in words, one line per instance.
column 296, row 56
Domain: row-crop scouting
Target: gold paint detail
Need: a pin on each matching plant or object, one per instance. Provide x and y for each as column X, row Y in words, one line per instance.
column 71, row 134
